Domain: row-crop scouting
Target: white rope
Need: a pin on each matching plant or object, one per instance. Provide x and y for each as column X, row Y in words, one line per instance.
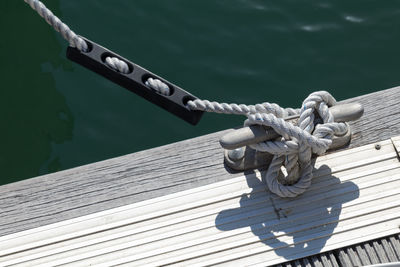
column 73, row 39
column 76, row 41
column 293, row 150
column 241, row 109
column 117, row 64
column 158, row 86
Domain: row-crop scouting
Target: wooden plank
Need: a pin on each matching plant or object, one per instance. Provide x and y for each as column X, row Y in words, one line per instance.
column 353, row 198
column 396, row 144
column 153, row 173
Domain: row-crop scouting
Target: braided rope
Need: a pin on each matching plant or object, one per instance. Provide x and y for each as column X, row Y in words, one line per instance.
column 73, row 39
column 117, row 64
column 241, row 109
column 158, row 86
column 294, row 149
column 295, row 154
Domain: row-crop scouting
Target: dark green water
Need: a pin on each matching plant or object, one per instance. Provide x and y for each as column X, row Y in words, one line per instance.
column 57, row 115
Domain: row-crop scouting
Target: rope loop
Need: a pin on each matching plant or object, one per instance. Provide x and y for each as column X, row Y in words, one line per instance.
column 293, row 151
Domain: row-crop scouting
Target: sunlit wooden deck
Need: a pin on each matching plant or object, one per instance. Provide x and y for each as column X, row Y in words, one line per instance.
column 179, row 204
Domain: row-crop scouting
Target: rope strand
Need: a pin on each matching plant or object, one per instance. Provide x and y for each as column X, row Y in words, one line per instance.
column 73, row 39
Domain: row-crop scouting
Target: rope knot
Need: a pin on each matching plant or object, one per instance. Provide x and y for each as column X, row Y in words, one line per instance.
column 290, row 171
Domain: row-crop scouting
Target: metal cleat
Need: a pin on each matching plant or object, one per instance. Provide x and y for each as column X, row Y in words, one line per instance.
column 239, row 156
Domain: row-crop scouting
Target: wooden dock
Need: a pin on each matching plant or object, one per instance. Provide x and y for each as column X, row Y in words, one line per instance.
column 188, row 165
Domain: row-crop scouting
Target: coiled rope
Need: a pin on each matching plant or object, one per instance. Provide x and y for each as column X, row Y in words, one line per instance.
column 292, row 151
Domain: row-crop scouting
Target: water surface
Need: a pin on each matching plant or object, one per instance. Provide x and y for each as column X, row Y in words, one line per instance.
column 57, row 115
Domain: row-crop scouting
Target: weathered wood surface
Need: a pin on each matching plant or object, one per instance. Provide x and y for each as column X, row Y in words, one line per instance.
column 155, row 172
column 236, row 222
